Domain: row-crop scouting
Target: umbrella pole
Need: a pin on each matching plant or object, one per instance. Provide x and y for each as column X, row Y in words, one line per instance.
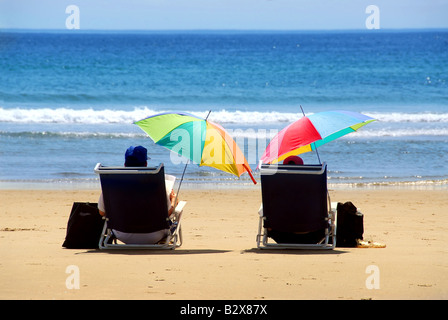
column 185, row 168
column 180, row 182
column 318, row 157
column 315, row 148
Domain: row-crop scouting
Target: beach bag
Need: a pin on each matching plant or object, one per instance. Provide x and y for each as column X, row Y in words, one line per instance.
column 350, row 225
column 84, row 226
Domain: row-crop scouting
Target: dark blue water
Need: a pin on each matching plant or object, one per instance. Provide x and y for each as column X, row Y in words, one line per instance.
column 68, row 100
column 237, row 69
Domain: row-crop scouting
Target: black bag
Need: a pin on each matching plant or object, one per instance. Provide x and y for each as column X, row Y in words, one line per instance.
column 84, row 226
column 350, row 225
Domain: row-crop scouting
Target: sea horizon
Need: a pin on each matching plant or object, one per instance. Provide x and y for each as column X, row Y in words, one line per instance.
column 236, row 30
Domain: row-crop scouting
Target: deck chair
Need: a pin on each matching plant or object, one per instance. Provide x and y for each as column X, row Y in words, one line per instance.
column 136, row 202
column 295, row 199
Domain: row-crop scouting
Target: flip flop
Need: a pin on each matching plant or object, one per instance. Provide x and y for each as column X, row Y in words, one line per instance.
column 369, row 244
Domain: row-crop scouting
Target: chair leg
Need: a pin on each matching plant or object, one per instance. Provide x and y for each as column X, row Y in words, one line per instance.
column 171, row 242
column 103, row 236
column 180, row 234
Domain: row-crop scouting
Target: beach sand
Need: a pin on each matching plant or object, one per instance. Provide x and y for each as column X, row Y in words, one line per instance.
column 219, row 258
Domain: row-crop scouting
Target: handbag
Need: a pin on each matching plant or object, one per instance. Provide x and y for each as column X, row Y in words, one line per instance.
column 84, row 226
column 350, row 225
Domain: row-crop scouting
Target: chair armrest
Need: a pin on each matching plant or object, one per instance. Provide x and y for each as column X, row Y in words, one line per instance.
column 333, row 206
column 260, row 210
column 175, row 215
column 180, row 207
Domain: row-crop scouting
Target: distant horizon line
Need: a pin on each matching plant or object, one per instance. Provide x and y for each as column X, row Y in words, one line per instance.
column 64, row 30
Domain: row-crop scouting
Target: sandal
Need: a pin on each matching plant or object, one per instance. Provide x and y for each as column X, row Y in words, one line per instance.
column 369, row 244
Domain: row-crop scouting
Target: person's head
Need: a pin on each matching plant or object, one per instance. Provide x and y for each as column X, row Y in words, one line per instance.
column 136, row 157
column 293, row 160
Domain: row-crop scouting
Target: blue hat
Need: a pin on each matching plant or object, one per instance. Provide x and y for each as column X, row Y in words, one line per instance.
column 136, row 157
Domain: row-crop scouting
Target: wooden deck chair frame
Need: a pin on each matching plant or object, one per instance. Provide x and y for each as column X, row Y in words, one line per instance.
column 135, row 201
column 295, row 199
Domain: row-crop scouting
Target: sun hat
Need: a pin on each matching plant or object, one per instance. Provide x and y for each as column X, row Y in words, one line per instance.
column 136, row 156
column 293, row 160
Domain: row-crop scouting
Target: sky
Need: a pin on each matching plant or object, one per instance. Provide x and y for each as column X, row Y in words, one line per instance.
column 222, row 14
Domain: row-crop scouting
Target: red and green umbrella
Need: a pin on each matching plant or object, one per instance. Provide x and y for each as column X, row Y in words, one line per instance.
column 310, row 132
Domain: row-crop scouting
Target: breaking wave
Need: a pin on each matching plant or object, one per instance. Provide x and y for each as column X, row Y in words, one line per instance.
column 92, row 116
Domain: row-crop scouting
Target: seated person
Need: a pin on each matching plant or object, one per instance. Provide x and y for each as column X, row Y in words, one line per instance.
column 294, row 237
column 137, row 157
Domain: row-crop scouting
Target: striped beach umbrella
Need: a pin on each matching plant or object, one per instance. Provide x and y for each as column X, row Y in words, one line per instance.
column 310, row 132
column 203, row 142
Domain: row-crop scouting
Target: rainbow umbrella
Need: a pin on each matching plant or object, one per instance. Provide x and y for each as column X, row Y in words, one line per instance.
column 203, row 142
column 310, row 132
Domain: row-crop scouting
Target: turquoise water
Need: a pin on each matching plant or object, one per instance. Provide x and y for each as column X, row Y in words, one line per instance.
column 69, row 100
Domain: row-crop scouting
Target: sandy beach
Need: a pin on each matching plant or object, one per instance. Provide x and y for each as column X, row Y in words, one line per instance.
column 219, row 258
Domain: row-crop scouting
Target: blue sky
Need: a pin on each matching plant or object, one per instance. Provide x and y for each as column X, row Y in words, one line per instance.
column 223, row 14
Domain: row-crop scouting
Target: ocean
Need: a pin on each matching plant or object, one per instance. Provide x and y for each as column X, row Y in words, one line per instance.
column 68, row 100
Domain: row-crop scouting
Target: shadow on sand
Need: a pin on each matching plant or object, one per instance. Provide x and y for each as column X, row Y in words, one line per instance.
column 155, row 252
